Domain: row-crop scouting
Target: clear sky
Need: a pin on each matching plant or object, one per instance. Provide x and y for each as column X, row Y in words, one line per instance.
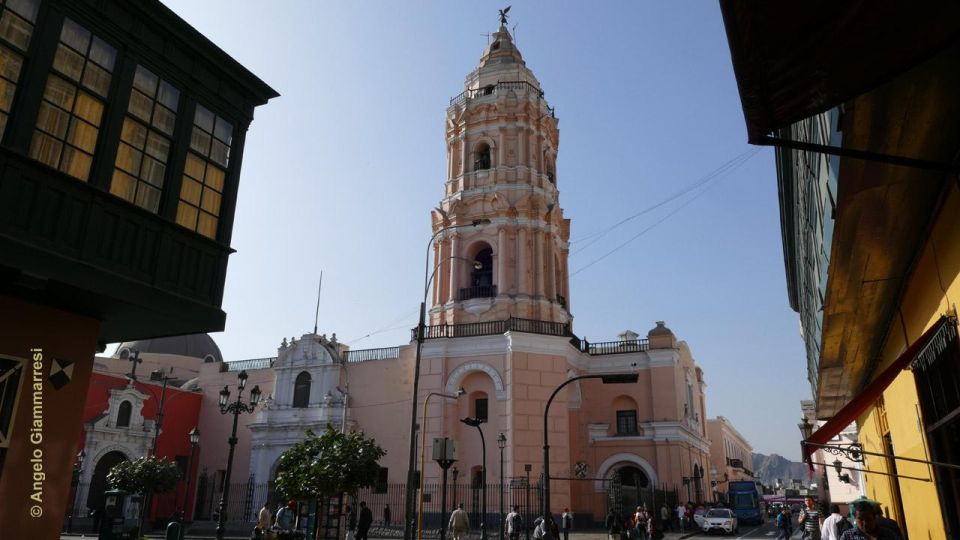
column 341, row 171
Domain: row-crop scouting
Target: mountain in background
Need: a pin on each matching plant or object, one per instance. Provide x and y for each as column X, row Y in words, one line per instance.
column 768, row 468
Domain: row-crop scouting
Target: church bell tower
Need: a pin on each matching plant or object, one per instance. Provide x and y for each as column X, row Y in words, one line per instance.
column 502, row 139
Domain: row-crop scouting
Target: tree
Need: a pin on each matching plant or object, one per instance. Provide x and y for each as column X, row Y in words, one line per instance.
column 145, row 475
column 328, row 465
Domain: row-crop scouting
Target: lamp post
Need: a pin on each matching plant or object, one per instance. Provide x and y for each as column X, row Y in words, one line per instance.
column 501, row 443
column 616, row 378
column 421, row 324
column 476, row 422
column 526, row 507
column 161, row 376
column 447, row 458
column 194, row 436
column 235, row 409
column 456, row 473
column 75, row 482
column 423, row 451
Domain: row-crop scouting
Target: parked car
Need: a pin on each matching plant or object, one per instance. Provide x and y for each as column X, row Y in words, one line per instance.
column 698, row 516
column 720, row 519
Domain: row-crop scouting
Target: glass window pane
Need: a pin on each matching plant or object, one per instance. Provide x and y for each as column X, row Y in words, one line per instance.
column 168, row 96
column 190, row 191
column 194, row 166
column 211, row 202
column 68, row 62
column 148, row 197
column 7, row 89
column 134, row 133
column 10, row 63
column 128, row 159
column 224, row 131
column 75, row 36
column 145, row 81
column 45, row 149
column 187, row 216
column 141, row 106
column 203, row 118
column 103, row 54
column 123, row 185
column 153, row 171
column 76, row 163
column 207, row 225
column 164, row 119
column 97, row 79
column 88, row 108
column 3, row 123
column 219, row 152
column 82, row 135
column 15, row 30
column 200, row 141
column 25, row 8
column 215, row 178
column 158, row 146
column 53, row 120
column 59, row 92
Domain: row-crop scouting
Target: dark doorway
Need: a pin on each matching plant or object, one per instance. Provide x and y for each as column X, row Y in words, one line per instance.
column 98, row 483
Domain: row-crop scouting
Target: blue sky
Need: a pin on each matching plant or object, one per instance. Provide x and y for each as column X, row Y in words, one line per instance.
column 341, row 171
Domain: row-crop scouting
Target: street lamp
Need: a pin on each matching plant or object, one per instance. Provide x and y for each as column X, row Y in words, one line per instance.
column 501, row 443
column 615, row 378
column 235, row 409
column 423, row 451
column 421, row 324
column 158, row 375
column 475, row 422
column 75, row 482
column 194, row 437
column 456, row 473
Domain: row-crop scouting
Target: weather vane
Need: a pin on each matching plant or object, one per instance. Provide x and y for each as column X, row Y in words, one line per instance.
column 503, row 16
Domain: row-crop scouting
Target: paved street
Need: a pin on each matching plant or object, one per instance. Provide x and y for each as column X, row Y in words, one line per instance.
column 767, row 531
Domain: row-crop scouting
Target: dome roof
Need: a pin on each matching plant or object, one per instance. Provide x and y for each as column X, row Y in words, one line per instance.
column 660, row 330
column 199, row 346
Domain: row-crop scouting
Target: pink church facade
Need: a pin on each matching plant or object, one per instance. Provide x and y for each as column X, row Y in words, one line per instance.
column 499, row 327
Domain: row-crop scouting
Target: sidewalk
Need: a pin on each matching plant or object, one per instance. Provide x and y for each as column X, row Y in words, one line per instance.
column 592, row 535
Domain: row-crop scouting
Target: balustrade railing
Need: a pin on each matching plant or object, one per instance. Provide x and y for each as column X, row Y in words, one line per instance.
column 367, row 355
column 251, row 364
column 477, row 291
column 493, row 89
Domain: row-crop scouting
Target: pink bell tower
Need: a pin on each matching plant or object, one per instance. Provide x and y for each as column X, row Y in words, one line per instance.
column 502, row 139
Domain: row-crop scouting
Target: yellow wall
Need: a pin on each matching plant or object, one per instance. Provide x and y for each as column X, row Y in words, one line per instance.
column 933, row 289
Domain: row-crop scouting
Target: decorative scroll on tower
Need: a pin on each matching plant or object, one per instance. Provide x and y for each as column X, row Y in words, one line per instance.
column 502, row 140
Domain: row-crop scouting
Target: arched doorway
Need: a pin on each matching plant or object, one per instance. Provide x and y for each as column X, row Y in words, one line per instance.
column 633, row 484
column 98, row 483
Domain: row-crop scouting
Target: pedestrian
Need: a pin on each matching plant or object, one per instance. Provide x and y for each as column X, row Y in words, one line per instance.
column 640, row 523
column 890, row 525
column 514, row 523
column 97, row 515
column 865, row 514
column 681, row 515
column 613, row 524
column 834, row 525
column 459, row 523
column 351, row 523
column 264, row 518
column 366, row 519
column 286, row 520
column 784, row 524
column 810, row 520
column 653, row 531
column 566, row 522
column 386, row 515
column 665, row 518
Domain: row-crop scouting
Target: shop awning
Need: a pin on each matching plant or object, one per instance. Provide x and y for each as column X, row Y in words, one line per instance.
column 852, row 410
column 794, row 59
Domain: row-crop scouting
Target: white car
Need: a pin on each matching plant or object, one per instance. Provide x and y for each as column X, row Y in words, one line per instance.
column 722, row 519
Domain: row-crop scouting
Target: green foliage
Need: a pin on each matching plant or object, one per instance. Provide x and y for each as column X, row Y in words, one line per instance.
column 328, row 464
column 145, row 475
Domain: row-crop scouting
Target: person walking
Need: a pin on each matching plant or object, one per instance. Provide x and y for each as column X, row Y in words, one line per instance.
column 386, row 515
column 640, row 523
column 566, row 523
column 366, row 519
column 653, row 531
column 834, row 525
column 665, row 518
column 865, row 514
column 514, row 523
column 613, row 524
column 810, row 520
column 784, row 524
column 286, row 520
column 681, row 516
column 263, row 520
column 351, row 522
column 459, row 523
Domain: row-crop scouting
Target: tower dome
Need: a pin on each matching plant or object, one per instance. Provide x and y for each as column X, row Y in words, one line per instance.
column 199, row 346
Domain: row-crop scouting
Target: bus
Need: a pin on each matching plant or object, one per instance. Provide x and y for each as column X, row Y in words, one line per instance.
column 744, row 498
